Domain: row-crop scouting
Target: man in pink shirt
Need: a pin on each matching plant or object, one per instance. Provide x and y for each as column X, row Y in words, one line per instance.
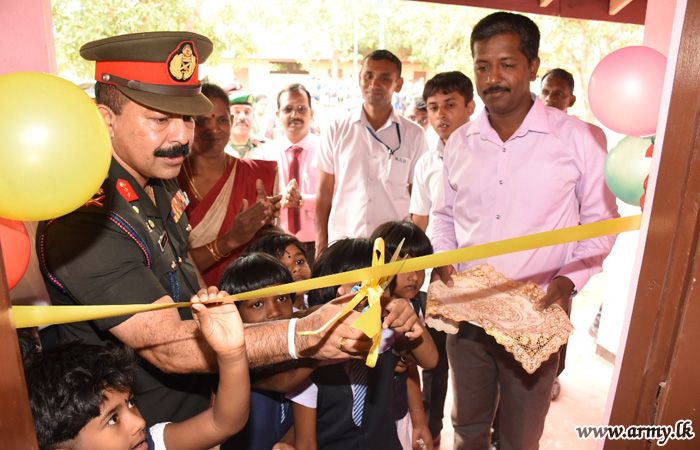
column 519, row 168
column 294, row 153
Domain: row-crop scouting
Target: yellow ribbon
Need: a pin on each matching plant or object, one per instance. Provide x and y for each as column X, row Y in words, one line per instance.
column 30, row 316
column 370, row 320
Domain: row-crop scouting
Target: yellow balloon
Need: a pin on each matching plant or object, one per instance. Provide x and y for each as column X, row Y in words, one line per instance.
column 55, row 148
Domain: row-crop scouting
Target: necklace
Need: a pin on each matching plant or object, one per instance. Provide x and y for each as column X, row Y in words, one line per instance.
column 189, row 174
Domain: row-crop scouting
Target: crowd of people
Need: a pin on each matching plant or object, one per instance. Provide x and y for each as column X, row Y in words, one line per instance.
column 196, row 207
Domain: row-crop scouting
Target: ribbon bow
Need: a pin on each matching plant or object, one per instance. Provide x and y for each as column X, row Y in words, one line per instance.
column 370, row 321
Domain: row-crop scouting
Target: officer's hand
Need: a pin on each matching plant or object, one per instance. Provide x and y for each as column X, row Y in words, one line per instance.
column 337, row 341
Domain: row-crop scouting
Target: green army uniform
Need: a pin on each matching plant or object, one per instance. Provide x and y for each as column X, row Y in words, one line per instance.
column 248, row 149
column 122, row 246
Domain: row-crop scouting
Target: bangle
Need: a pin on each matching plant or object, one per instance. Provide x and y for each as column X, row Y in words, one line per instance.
column 290, row 338
column 213, row 253
column 216, row 249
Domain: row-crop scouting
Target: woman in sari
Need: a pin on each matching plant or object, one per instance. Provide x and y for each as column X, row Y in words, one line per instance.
column 228, row 197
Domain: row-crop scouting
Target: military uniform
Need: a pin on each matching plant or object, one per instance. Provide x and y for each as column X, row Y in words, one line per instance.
column 246, row 150
column 120, row 248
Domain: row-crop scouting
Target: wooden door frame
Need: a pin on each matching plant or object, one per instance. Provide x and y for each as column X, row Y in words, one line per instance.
column 16, row 422
column 657, row 382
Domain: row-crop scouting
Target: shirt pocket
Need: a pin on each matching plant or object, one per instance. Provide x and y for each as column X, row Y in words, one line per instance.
column 396, row 175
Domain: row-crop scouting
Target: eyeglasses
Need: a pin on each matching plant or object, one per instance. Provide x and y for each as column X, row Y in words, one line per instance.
column 301, row 110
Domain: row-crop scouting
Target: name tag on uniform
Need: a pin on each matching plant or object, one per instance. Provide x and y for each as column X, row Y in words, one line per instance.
column 401, row 160
column 163, row 241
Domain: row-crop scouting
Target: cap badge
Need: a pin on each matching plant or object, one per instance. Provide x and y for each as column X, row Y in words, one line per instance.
column 182, row 62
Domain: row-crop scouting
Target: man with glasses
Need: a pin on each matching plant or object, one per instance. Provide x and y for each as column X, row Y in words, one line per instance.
column 367, row 158
column 294, row 153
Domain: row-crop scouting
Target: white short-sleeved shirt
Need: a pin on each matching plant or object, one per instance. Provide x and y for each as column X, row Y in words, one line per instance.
column 372, row 171
column 427, row 182
column 157, row 435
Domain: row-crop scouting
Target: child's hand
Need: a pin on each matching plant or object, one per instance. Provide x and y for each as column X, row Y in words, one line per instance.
column 421, row 438
column 220, row 323
column 402, row 317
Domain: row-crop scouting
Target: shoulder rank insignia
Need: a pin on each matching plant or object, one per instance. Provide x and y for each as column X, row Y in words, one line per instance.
column 178, row 205
column 97, row 199
column 126, row 191
column 182, row 62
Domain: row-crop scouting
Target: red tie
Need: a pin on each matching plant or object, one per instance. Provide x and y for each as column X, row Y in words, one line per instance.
column 293, row 213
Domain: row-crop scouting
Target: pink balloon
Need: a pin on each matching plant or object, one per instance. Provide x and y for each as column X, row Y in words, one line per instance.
column 625, row 90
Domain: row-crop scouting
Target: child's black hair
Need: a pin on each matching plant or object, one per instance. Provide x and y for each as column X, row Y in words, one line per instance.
column 274, row 243
column 343, row 255
column 416, row 242
column 254, row 271
column 67, row 387
column 29, row 344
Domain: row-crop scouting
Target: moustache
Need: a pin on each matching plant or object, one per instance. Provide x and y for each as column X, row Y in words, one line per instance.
column 299, row 121
column 244, row 122
column 494, row 89
column 172, row 152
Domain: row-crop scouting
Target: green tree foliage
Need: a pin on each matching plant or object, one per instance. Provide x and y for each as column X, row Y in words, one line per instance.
column 579, row 45
column 79, row 21
column 435, row 35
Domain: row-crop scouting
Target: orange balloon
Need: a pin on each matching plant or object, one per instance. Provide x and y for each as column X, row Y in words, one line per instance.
column 55, row 149
column 14, row 240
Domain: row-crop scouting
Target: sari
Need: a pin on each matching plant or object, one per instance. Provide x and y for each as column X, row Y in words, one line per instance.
column 212, row 216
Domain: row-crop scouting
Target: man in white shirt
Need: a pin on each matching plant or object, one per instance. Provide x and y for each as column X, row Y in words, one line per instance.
column 294, row 153
column 449, row 97
column 367, row 158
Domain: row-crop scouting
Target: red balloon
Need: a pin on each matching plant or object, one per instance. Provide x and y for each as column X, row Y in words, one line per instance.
column 625, row 90
column 15, row 249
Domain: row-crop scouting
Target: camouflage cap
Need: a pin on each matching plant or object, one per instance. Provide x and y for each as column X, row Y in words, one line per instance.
column 159, row 70
column 241, row 98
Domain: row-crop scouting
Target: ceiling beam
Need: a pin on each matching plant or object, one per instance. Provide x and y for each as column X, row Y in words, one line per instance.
column 545, row 3
column 616, row 6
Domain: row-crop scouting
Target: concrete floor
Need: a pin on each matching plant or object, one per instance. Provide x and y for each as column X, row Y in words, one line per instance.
column 584, row 385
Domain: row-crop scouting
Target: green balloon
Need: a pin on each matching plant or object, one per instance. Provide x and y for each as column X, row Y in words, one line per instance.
column 626, row 168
